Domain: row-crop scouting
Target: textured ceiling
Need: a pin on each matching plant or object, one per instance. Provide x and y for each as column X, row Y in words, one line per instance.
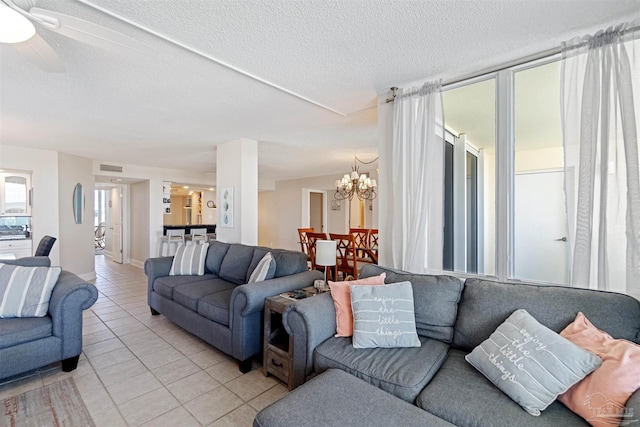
column 170, row 109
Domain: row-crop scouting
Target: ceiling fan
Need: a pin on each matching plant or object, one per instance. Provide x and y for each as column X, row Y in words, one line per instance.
column 22, row 13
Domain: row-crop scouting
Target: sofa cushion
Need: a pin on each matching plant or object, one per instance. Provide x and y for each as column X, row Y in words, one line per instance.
column 215, row 255
column 166, row 284
column 402, row 372
column 236, row 263
column 289, row 262
column 383, row 316
column 436, row 300
column 337, row 399
column 20, row 330
column 463, row 396
column 486, row 304
column 189, row 260
column 216, row 306
column 26, row 291
column 188, row 295
column 531, row 363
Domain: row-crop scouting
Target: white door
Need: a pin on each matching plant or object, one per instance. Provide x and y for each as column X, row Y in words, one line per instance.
column 116, row 199
column 541, row 247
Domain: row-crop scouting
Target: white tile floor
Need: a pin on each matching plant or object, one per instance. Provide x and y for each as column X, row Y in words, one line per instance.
column 137, row 369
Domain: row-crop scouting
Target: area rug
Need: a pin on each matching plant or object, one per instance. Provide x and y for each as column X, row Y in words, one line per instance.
column 56, row 405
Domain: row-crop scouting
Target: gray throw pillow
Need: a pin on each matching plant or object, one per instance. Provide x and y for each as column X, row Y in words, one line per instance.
column 26, row 291
column 530, row 363
column 265, row 269
column 189, row 260
column 383, row 316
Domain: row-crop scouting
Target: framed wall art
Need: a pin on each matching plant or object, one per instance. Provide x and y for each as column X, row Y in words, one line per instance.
column 226, row 205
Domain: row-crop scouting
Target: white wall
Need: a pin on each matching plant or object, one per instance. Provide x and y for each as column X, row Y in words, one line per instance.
column 209, row 215
column 237, row 168
column 43, row 165
column 531, row 160
column 268, row 219
column 76, row 241
column 139, row 217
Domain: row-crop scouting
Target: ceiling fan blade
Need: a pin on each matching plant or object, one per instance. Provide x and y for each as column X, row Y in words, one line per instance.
column 88, row 32
column 41, row 54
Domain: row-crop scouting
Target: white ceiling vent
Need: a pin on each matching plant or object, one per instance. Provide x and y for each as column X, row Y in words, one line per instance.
column 110, row 168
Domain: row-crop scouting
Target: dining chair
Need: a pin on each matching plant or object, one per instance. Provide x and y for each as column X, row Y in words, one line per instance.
column 45, row 245
column 198, row 235
column 361, row 241
column 99, row 236
column 373, row 244
column 304, row 242
column 312, row 237
column 346, row 262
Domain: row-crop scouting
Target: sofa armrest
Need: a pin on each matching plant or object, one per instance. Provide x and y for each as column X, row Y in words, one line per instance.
column 247, row 307
column 154, row 268
column 310, row 321
column 71, row 295
column 249, row 298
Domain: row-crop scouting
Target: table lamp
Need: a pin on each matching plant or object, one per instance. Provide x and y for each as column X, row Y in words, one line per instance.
column 326, row 255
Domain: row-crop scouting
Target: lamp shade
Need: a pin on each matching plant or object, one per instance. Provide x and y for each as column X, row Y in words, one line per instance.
column 14, row 28
column 326, row 252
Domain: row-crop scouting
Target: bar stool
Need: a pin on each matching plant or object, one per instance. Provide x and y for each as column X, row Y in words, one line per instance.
column 199, row 235
column 171, row 241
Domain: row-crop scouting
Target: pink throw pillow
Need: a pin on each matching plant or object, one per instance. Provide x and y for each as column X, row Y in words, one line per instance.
column 601, row 397
column 341, row 295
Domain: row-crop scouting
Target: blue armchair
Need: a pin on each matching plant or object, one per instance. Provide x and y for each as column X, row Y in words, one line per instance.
column 30, row 343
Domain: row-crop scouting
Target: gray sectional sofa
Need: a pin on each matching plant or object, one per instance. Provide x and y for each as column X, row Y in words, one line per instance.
column 221, row 307
column 32, row 342
column 452, row 318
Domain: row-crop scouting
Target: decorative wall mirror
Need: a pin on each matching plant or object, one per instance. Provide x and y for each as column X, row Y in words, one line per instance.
column 78, row 198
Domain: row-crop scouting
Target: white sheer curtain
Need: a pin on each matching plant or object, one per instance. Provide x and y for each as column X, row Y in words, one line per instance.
column 415, row 220
column 601, row 108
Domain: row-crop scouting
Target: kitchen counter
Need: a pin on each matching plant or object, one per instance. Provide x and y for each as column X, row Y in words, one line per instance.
column 211, row 228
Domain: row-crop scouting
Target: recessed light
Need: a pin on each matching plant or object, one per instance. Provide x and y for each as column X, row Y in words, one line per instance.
column 186, row 187
column 211, row 189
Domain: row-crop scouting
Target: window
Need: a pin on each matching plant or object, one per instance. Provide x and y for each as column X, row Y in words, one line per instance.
column 504, row 179
column 540, row 246
column 469, row 213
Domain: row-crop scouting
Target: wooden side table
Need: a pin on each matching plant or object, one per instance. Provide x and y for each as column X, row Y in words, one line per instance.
column 278, row 345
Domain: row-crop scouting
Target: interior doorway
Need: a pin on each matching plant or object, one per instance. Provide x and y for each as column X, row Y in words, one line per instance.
column 314, row 209
column 316, row 219
column 117, row 246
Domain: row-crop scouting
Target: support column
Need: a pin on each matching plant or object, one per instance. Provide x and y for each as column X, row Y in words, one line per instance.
column 237, row 169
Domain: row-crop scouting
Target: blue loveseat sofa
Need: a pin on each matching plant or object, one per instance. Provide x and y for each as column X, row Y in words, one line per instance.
column 30, row 343
column 220, row 306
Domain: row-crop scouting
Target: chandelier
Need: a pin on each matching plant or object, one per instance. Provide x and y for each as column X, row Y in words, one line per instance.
column 356, row 184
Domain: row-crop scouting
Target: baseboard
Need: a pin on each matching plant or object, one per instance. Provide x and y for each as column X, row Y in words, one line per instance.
column 137, row 263
column 88, row 276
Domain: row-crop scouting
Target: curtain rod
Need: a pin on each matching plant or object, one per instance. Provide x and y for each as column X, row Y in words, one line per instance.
column 509, row 64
